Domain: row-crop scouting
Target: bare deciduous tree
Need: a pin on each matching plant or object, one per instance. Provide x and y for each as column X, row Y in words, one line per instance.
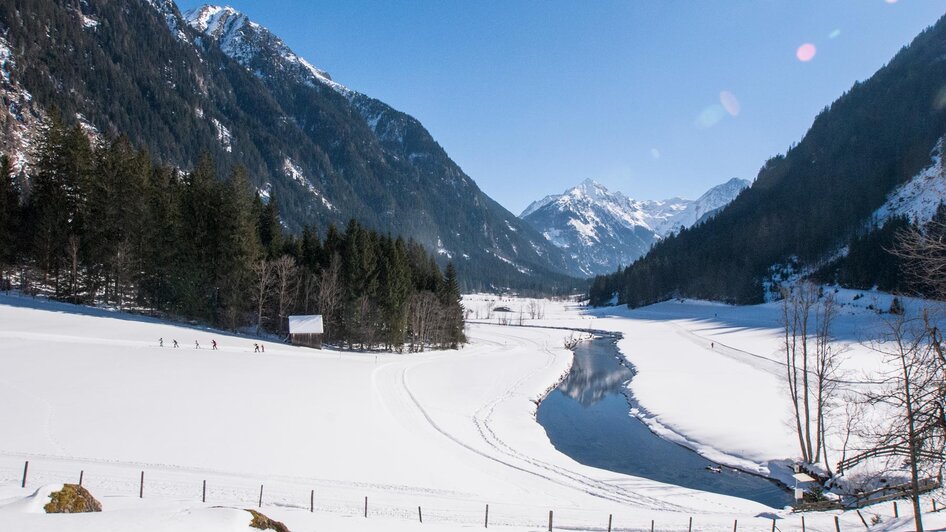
column 827, row 362
column 421, row 316
column 923, row 251
column 912, row 387
column 286, row 278
column 810, row 370
column 263, row 280
column 329, row 294
column 533, row 309
column 72, row 247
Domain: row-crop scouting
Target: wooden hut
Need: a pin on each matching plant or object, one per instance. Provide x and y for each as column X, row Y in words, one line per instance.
column 306, row 331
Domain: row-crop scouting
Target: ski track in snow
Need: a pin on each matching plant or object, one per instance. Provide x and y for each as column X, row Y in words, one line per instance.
column 522, row 462
column 451, row 430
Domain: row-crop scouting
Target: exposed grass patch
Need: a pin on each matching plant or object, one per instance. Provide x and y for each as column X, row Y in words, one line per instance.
column 262, row 522
column 72, row 499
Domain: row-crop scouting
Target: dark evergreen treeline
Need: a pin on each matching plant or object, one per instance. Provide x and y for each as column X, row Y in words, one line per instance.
column 101, row 224
column 873, row 259
column 808, row 203
column 871, row 262
column 171, row 91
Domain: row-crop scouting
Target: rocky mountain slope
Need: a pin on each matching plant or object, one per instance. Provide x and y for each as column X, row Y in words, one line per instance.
column 215, row 82
column 602, row 230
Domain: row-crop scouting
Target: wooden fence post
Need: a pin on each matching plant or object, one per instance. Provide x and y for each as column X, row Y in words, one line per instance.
column 651, row 525
column 366, row 506
column 486, row 522
column 837, row 524
column 141, row 487
column 610, row 516
column 896, row 512
column 690, row 526
column 26, row 467
column 803, row 523
column 550, row 520
column 311, row 501
column 420, row 516
column 203, row 493
column 773, row 525
column 735, row 523
column 859, row 514
column 82, row 472
column 260, row 495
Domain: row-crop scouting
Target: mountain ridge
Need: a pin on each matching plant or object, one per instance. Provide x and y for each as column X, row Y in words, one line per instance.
column 603, row 230
column 324, row 153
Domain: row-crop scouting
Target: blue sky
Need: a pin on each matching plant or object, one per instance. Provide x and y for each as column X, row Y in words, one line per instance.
column 655, row 98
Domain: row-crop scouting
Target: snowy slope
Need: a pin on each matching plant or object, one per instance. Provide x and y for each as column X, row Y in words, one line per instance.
column 93, row 391
column 918, row 198
column 449, row 431
column 603, row 230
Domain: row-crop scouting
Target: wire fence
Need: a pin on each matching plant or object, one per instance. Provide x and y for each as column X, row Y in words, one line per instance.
column 105, row 480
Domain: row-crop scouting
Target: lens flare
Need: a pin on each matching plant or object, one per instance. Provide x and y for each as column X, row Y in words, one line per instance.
column 710, row 116
column 806, row 52
column 891, row 1
column 655, row 153
column 730, row 103
column 834, row 34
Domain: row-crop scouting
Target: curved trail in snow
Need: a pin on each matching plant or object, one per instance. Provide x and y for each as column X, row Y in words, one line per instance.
column 520, row 460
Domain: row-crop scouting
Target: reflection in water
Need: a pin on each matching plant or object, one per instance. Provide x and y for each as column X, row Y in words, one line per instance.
column 593, row 377
column 587, row 417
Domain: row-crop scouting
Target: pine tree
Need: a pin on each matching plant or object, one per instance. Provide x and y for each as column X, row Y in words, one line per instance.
column 450, row 298
column 10, row 213
column 236, row 246
column 270, row 230
column 196, row 267
column 162, row 256
column 56, row 206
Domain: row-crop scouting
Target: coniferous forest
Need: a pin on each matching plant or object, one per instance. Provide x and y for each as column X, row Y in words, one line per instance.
column 100, row 223
column 814, row 200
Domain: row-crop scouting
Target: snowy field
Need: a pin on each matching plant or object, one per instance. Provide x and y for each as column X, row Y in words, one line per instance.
column 450, row 432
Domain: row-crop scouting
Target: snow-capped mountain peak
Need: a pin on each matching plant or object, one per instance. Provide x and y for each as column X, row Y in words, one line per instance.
column 603, row 230
column 246, row 41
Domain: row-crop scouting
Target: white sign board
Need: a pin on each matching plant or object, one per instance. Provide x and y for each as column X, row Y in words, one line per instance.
column 305, row 324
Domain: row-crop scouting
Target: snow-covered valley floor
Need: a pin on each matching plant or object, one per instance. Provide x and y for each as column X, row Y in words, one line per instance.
column 447, row 431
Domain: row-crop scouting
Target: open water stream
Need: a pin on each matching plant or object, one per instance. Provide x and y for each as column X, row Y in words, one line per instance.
column 588, row 418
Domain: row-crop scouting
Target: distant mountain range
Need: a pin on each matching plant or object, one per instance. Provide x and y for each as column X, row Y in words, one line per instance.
column 213, row 81
column 602, row 230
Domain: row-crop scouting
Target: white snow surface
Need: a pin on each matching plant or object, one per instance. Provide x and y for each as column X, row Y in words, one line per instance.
column 918, row 198
column 88, row 22
column 450, row 431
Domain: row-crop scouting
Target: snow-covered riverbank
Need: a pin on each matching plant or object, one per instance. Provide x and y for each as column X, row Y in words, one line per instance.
column 449, row 431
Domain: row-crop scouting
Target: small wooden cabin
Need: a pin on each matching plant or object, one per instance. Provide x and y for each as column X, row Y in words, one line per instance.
column 306, row 331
